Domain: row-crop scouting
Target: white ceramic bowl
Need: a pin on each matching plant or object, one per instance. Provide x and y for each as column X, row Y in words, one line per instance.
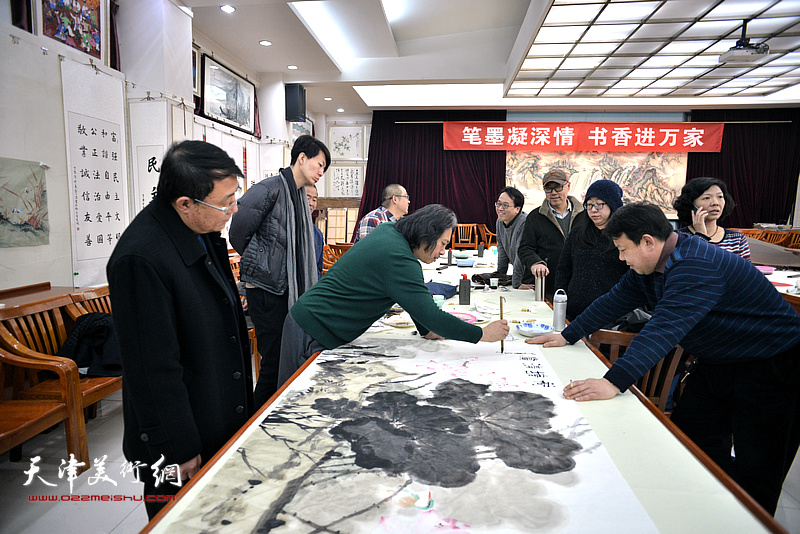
column 465, row 263
column 462, row 254
column 534, row 329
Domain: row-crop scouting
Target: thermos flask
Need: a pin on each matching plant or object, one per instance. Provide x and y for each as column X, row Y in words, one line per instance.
column 560, row 310
column 481, row 247
column 538, row 289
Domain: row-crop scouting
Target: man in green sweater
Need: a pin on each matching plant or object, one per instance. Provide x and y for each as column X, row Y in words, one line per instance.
column 379, row 270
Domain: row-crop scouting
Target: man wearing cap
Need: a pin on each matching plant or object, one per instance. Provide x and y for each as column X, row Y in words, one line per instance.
column 546, row 229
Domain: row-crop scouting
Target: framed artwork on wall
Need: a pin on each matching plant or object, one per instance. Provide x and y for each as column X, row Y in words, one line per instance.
column 196, row 70
column 346, row 142
column 226, row 97
column 77, row 24
column 345, row 180
column 302, row 128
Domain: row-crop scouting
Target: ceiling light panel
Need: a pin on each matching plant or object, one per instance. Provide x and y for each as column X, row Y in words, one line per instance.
column 561, row 85
column 711, row 29
column 648, row 74
column 541, row 63
column 685, row 73
column 783, row 44
column 627, row 11
column 560, row 34
column 592, row 49
column 761, row 28
column 685, row 47
column 554, row 92
column 527, row 85
column 668, row 83
column 659, row 30
column 703, row 61
column 679, row 10
column 641, row 49
column 575, row 74
column 558, row 50
column 652, row 92
column 579, row 14
column 664, row 61
column 627, row 83
column 767, row 71
column 736, row 10
column 582, row 62
column 614, row 74
column 608, row 32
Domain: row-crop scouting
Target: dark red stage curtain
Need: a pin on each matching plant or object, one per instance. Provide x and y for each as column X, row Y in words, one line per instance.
column 406, row 148
column 759, row 162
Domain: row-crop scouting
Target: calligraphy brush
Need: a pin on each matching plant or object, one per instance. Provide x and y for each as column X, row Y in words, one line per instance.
column 502, row 341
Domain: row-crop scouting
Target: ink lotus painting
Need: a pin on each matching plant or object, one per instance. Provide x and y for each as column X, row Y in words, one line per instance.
column 23, row 204
column 386, row 436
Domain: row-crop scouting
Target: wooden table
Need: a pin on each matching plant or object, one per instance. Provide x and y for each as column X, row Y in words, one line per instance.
column 32, row 294
column 655, row 471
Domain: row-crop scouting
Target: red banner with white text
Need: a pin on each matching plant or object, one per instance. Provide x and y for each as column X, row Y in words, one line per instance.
column 584, row 136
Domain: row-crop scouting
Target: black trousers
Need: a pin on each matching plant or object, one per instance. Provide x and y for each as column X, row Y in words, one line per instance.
column 267, row 311
column 754, row 406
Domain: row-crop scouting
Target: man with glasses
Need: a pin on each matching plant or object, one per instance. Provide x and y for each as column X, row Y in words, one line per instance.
column 546, row 229
column 179, row 321
column 395, row 203
column 274, row 234
column 510, row 222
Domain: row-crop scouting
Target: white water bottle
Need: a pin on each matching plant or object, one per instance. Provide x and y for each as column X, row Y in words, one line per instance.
column 560, row 310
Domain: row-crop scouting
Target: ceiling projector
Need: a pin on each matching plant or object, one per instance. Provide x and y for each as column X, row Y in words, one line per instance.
column 744, row 52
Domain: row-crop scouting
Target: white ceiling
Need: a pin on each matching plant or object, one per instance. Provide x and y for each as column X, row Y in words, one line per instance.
column 516, row 54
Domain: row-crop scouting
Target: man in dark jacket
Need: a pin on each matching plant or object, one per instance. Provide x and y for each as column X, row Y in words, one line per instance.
column 546, row 229
column 273, row 233
column 182, row 336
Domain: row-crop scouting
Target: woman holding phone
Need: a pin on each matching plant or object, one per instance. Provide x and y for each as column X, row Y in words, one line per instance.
column 704, row 202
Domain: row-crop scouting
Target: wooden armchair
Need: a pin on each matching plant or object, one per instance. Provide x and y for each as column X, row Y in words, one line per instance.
column 20, row 420
column 755, row 233
column 486, row 237
column 37, row 331
column 235, row 261
column 656, row 383
column 776, row 237
column 89, row 301
column 466, row 236
column 339, row 249
column 328, row 258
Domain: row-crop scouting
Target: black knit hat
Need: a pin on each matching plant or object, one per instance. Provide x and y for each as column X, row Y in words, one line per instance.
column 607, row 191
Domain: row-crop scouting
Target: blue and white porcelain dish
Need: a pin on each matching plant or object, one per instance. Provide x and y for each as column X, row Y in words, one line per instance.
column 534, row 328
column 465, row 263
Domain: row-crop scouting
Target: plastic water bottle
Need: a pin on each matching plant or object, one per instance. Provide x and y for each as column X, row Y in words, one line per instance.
column 560, row 310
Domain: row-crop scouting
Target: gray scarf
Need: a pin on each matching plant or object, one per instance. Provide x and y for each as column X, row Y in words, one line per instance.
column 307, row 244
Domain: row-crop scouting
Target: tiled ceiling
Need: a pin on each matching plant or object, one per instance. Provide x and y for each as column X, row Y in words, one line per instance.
column 663, row 48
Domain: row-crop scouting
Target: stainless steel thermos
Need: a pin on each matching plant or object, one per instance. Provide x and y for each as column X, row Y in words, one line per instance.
column 560, row 310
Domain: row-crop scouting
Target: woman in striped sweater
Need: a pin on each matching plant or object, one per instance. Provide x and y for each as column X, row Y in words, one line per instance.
column 704, row 202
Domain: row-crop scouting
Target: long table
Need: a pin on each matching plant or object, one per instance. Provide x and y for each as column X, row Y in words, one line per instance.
column 659, row 471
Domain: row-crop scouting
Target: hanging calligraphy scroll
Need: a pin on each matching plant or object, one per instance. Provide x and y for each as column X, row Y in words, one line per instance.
column 345, row 180
column 584, row 136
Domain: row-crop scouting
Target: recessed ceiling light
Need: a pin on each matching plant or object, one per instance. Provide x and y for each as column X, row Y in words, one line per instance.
column 327, row 99
column 227, row 9
column 340, row 110
column 265, row 43
column 291, row 67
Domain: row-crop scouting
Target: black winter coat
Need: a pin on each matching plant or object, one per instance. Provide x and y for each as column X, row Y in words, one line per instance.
column 187, row 384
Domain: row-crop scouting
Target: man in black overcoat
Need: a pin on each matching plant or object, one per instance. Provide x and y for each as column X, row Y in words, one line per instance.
column 187, row 378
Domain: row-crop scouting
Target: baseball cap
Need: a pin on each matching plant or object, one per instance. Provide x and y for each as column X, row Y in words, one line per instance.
column 555, row 175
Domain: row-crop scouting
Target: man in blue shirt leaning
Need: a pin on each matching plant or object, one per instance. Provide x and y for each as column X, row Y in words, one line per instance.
column 745, row 389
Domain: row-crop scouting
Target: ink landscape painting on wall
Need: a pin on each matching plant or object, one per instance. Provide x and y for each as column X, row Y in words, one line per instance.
column 381, row 436
column 23, row 204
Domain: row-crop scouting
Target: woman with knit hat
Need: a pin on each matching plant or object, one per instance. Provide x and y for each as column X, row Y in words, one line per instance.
column 590, row 266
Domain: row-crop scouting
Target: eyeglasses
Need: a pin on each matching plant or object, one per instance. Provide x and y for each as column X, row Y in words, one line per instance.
column 226, row 211
column 598, row 206
column 557, row 188
column 502, row 205
column 404, row 196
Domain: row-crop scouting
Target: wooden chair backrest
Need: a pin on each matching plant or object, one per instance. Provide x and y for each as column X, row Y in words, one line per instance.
column 656, row 383
column 340, row 248
column 93, row 300
column 794, row 239
column 39, row 327
column 328, row 258
column 488, row 238
column 776, row 237
column 793, row 300
column 755, row 233
column 466, row 236
column 235, row 260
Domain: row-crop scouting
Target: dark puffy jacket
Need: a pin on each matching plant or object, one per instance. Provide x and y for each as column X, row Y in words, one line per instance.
column 258, row 233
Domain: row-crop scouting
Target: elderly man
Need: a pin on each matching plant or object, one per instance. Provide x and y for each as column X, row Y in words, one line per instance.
column 375, row 273
column 181, row 331
column 745, row 388
column 319, row 239
column 510, row 222
column 273, row 233
column 394, row 205
column 546, row 229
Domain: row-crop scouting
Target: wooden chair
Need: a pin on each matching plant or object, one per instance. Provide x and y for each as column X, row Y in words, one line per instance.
column 794, row 240
column 339, row 249
column 488, row 238
column 776, row 237
column 793, row 300
column 328, row 258
column 755, row 233
column 235, row 260
column 20, row 420
column 466, row 236
column 37, row 332
column 88, row 301
column 656, row 383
